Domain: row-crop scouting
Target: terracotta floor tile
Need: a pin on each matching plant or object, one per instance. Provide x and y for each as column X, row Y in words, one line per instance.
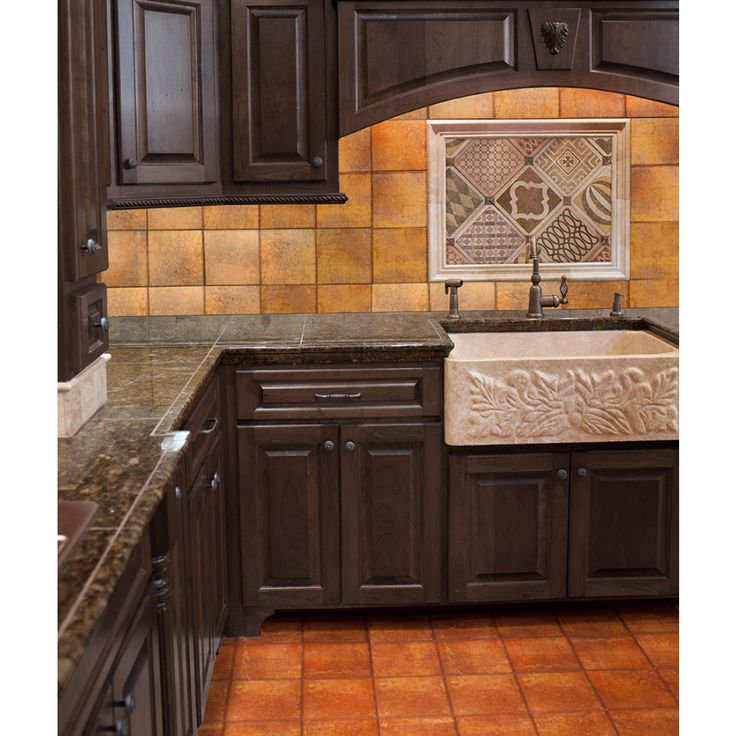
column 407, row 627
column 646, row 722
column 262, row 728
column 595, row 723
column 417, row 727
column 610, row 653
column 407, row 659
column 211, row 729
column 216, row 700
column 280, row 629
column 585, row 622
column 558, row 692
column 411, row 696
column 264, row 700
column 541, row 654
column 671, row 675
column 662, row 649
column 498, row 725
column 477, row 657
column 335, row 629
column 265, row 661
column 337, row 660
column 654, row 618
column 344, row 727
column 631, row 689
column 523, row 624
column 339, row 698
column 225, row 660
column 452, row 626
column 484, row 695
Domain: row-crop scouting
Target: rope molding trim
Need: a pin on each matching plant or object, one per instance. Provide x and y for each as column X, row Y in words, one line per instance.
column 126, row 204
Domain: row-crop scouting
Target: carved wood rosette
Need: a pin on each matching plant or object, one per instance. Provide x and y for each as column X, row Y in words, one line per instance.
column 554, row 33
column 555, row 36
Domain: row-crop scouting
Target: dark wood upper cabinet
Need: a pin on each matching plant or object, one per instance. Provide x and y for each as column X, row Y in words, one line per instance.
column 507, row 537
column 278, row 90
column 623, row 523
column 390, row 476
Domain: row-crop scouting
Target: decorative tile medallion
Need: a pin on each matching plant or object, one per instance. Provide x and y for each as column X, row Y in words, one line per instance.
column 494, row 184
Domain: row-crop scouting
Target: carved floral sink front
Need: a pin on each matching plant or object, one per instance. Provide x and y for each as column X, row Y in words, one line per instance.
column 535, row 387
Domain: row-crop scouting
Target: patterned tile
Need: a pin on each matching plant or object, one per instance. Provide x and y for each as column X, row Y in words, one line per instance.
column 489, row 163
column 596, row 201
column 568, row 239
column 461, row 200
column 529, row 200
column 568, row 162
column 490, row 238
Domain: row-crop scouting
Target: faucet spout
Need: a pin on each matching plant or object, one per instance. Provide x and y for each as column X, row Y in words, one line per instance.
column 537, row 300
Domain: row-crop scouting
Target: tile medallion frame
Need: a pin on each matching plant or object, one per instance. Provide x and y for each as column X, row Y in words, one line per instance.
column 500, row 209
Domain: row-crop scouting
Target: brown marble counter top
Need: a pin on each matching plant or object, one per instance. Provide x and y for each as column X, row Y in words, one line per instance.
column 125, row 456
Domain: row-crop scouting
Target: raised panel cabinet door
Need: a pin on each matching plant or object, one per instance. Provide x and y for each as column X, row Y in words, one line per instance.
column 278, row 91
column 166, row 96
column 624, row 523
column 289, row 515
column 507, row 537
column 391, row 513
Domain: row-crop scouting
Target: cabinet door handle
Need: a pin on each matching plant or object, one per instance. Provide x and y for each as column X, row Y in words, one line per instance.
column 329, row 446
column 582, row 472
column 91, row 246
column 103, row 323
column 210, row 426
column 337, row 397
column 131, row 163
column 121, row 727
column 215, row 482
column 562, row 474
column 318, row 162
column 178, row 493
column 350, row 446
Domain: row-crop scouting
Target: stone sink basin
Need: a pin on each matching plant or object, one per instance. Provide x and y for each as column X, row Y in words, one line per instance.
column 515, row 388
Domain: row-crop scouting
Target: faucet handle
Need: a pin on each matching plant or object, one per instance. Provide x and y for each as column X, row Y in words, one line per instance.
column 453, row 284
column 563, row 289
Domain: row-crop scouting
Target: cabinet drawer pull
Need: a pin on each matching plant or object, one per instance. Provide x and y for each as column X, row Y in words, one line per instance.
column 121, row 727
column 178, row 493
column 329, row 446
column 91, row 246
column 337, row 397
column 210, row 426
column 215, row 482
column 318, row 162
column 103, row 323
column 350, row 446
column 562, row 474
column 582, row 472
column 131, row 163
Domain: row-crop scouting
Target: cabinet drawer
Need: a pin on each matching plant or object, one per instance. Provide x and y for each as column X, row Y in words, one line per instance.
column 335, row 393
column 204, row 423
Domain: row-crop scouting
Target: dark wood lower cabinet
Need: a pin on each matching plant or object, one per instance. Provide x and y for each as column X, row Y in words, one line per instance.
column 507, row 536
column 623, row 523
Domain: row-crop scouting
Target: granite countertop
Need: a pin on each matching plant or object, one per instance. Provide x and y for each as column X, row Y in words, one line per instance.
column 127, row 454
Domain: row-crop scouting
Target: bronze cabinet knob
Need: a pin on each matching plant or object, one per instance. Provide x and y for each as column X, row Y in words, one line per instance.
column 329, row 446
column 215, row 482
column 131, row 163
column 350, row 446
column 562, row 474
column 91, row 246
column 582, row 472
column 318, row 162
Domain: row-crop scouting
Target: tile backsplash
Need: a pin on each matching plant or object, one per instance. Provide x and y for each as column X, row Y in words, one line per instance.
column 371, row 253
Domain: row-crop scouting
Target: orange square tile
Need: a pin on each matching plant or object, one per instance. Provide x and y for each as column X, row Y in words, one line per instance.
column 344, row 298
column 535, row 102
column 126, row 220
column 511, row 295
column 497, row 725
column 399, row 255
column 400, row 297
column 610, row 653
column 475, row 657
column 662, row 649
column 417, row 727
column 650, row 618
column 522, row 623
column 655, row 141
column 224, row 662
column 175, row 218
column 655, row 250
column 461, row 626
column 464, row 108
column 334, row 628
column 631, row 689
column 216, row 701
column 344, row 256
column 593, row 294
column 231, row 217
column 231, row 257
column 260, row 661
column 655, row 193
column 399, row 627
column 646, row 722
column 287, row 216
column 282, row 628
column 473, row 295
column 558, row 692
column 288, row 299
column 671, row 676
column 330, row 699
column 288, row 257
column 654, row 293
column 175, row 258
column 411, row 697
column 352, row 727
column 419, row 114
column 128, row 258
column 127, row 302
column 400, row 199
column 356, row 212
column 591, row 103
column 484, row 694
column 409, row 659
column 583, row 622
column 541, row 654
column 232, row 299
column 574, row 724
column 399, row 145
column 262, row 728
column 264, row 700
column 639, row 107
column 323, row 660
column 211, row 729
column 175, row 300
column 355, row 151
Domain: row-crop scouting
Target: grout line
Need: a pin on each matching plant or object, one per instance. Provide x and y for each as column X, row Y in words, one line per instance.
column 444, row 676
column 373, row 673
column 303, row 678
